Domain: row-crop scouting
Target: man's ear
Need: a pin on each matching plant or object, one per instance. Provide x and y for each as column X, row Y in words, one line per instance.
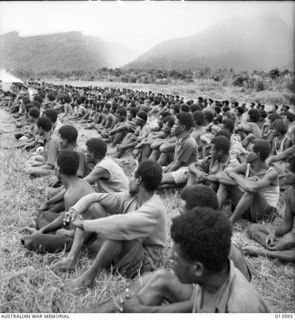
column 139, row 180
column 198, row 269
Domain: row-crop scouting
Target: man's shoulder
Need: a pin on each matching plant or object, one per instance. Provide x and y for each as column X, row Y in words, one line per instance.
column 243, row 296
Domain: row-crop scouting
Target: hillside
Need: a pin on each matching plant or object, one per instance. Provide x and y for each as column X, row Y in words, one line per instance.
column 259, row 43
column 62, row 51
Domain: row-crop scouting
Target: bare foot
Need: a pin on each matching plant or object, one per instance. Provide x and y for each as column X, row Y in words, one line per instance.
column 253, row 251
column 66, row 264
column 77, row 286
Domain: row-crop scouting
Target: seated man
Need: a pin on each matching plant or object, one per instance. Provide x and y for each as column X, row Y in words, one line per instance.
column 278, row 242
column 143, row 147
column 107, row 175
column 134, row 233
column 201, row 245
column 185, row 153
column 207, row 170
column 260, row 185
column 129, row 141
column 48, row 221
column 43, row 165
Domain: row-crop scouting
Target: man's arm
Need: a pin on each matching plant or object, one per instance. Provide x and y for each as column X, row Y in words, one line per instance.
column 130, row 226
column 96, row 174
column 133, row 305
column 287, row 225
column 281, row 156
column 54, row 225
column 175, row 165
column 254, row 186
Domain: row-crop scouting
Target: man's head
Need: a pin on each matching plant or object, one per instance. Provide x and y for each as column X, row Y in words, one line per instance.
column 96, row 150
column 220, row 146
column 141, row 118
column 229, row 125
column 199, row 118
column 260, row 151
column 68, row 163
column 51, row 114
column 148, row 176
column 202, row 240
column 253, row 115
column 34, row 114
column 44, row 125
column 184, row 122
column 67, row 136
column 197, row 196
column 280, row 127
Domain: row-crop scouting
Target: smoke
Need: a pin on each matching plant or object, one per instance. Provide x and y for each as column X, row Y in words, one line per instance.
column 7, row 77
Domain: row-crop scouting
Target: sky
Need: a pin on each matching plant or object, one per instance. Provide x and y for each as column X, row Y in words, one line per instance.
column 138, row 24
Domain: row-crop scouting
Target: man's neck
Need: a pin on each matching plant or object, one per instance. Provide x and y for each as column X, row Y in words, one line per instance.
column 143, row 196
column 257, row 165
column 213, row 281
column 46, row 135
column 69, row 181
column 183, row 135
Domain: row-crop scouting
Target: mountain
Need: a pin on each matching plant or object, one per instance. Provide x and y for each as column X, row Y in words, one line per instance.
column 62, row 51
column 260, row 43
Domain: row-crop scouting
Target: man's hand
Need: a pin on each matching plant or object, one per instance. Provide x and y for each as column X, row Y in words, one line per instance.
column 73, row 216
column 270, row 241
column 268, row 161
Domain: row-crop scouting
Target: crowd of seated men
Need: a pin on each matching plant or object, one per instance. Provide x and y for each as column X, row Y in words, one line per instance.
column 218, row 153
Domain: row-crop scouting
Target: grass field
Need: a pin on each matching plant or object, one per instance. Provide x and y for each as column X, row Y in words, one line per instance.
column 28, row 285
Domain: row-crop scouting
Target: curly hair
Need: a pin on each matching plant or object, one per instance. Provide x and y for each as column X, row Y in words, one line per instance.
column 34, row 112
column 68, row 133
column 121, row 112
column 186, row 119
column 221, row 143
column 184, row 108
column 44, row 123
column 208, row 115
column 203, row 235
column 199, row 196
column 223, row 132
column 229, row 125
column 68, row 162
column 170, row 120
column 254, row 115
column 51, row 114
column 263, row 147
column 199, row 117
column 97, row 146
column 151, row 174
column 280, row 126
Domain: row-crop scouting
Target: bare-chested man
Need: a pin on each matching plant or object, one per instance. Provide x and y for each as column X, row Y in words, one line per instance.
column 49, row 222
column 278, row 242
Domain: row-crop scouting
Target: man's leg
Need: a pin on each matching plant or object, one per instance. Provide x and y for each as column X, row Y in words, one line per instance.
column 285, row 255
column 95, row 211
column 110, row 250
column 39, row 172
column 243, row 205
column 259, row 232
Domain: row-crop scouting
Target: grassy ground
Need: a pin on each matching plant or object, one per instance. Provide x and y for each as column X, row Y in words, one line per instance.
column 28, row 285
